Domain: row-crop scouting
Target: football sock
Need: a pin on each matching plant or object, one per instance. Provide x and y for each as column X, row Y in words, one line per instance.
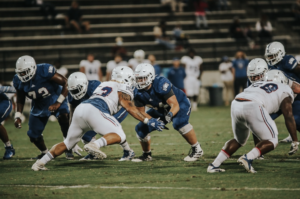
column 254, row 153
column 101, row 142
column 195, row 144
column 125, row 146
column 7, row 144
column 147, row 151
column 46, row 158
column 194, row 104
column 220, row 158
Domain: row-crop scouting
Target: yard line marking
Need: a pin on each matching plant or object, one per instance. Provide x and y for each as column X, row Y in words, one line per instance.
column 171, row 188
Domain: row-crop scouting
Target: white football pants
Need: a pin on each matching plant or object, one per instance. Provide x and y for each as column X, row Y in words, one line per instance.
column 191, row 86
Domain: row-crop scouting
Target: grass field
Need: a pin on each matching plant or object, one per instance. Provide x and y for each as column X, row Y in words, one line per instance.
column 167, row 176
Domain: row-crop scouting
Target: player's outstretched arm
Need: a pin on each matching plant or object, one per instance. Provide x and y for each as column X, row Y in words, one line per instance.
column 20, row 106
column 287, row 111
column 7, row 89
column 61, row 80
column 173, row 103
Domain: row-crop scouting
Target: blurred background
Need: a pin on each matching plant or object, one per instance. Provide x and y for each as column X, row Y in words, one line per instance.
column 94, row 36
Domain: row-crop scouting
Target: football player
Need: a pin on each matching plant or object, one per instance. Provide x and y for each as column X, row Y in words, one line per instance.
column 96, row 114
column 172, row 106
column 251, row 110
column 139, row 57
column 81, row 89
column 5, row 109
column 276, row 58
column 193, row 72
column 48, row 91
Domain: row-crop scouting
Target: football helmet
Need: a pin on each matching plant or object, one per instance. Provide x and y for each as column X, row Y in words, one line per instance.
column 256, row 70
column 144, row 74
column 25, row 68
column 124, row 75
column 274, row 53
column 139, row 55
column 276, row 76
column 78, row 85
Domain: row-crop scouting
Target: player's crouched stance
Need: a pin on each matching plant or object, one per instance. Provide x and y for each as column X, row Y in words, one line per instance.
column 96, row 114
column 250, row 111
column 169, row 104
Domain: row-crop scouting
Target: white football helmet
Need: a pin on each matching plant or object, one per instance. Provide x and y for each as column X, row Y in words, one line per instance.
column 144, row 74
column 276, row 76
column 256, row 70
column 78, row 85
column 274, row 53
column 139, row 55
column 25, row 68
column 124, row 75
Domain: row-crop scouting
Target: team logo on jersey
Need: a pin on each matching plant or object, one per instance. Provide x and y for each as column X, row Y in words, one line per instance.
column 165, row 86
column 150, row 100
column 51, row 69
column 291, row 60
column 33, row 85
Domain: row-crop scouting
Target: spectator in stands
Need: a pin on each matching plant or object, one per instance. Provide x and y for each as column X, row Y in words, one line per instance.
column 180, row 37
column 222, row 5
column 212, row 4
column 113, row 64
column 240, row 64
column 227, row 72
column 264, row 29
column 236, row 30
column 46, row 8
column 157, row 68
column 91, row 67
column 296, row 11
column 60, row 69
column 118, row 49
column 174, row 4
column 177, row 74
column 74, row 18
column 200, row 7
column 161, row 35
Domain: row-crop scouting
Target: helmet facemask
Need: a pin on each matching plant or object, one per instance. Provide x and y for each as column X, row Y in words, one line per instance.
column 26, row 74
column 257, row 77
column 143, row 81
column 78, row 92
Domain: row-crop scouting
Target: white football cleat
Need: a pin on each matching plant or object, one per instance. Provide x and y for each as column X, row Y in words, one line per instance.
column 127, row 156
column 194, row 154
column 286, row 140
column 38, row 166
column 246, row 163
column 212, row 169
column 94, row 150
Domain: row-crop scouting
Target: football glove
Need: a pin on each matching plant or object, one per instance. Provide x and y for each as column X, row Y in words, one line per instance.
column 294, row 148
column 169, row 117
column 155, row 124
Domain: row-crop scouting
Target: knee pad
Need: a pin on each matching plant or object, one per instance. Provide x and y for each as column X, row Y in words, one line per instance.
column 145, row 139
column 184, row 130
column 33, row 140
column 141, row 130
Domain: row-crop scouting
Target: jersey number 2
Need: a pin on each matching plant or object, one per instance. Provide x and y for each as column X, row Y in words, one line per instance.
column 269, row 88
column 106, row 91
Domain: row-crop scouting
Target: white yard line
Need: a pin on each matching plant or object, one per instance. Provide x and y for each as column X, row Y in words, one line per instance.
column 158, row 188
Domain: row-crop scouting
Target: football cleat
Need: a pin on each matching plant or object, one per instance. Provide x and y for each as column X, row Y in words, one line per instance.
column 262, row 157
column 194, row 154
column 39, row 156
column 286, row 140
column 38, row 166
column 69, row 155
column 212, row 169
column 127, row 155
column 88, row 157
column 9, row 152
column 144, row 157
column 246, row 163
column 94, row 150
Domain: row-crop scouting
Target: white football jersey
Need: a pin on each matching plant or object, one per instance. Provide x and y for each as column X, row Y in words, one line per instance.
column 133, row 63
column 112, row 64
column 268, row 94
column 108, row 91
column 91, row 69
column 192, row 66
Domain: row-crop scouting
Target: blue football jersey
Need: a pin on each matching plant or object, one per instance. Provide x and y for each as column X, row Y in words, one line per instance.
column 93, row 84
column 155, row 95
column 3, row 97
column 40, row 89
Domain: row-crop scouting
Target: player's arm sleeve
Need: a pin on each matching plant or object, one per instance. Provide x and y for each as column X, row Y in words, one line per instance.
column 7, row 89
column 138, row 103
column 48, row 71
column 163, row 87
column 168, row 95
column 290, row 63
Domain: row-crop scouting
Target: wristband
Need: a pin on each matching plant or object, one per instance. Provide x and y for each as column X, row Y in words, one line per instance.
column 18, row 115
column 146, row 120
column 61, row 98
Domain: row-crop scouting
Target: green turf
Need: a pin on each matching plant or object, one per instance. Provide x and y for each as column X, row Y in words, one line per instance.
column 167, row 176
